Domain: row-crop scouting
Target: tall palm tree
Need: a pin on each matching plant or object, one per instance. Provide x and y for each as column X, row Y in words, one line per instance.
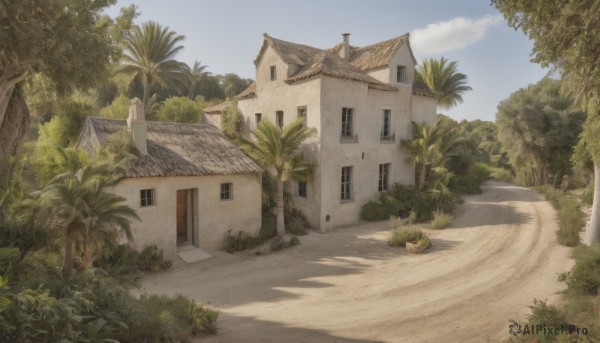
column 149, row 53
column 277, row 150
column 423, row 148
column 195, row 75
column 80, row 205
column 443, row 78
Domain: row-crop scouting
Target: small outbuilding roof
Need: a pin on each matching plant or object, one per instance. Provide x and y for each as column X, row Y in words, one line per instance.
column 174, row 149
column 218, row 108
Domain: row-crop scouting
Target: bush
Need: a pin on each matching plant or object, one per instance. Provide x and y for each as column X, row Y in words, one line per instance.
column 441, row 220
column 239, row 241
column 296, row 222
column 399, row 236
column 401, row 201
column 584, row 277
column 587, row 197
column 570, row 216
column 123, row 259
column 470, row 183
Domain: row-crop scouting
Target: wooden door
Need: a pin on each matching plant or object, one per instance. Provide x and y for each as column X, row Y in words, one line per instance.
column 182, row 215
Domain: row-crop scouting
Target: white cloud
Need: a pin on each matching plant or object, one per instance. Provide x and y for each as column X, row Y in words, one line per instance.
column 450, row 35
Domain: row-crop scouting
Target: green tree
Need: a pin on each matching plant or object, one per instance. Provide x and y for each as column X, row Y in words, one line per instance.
column 210, row 88
column 69, row 41
column 566, row 35
column 195, row 76
column 180, row 109
column 539, row 128
column 442, row 77
column 423, row 149
column 118, row 109
column 232, row 84
column 80, row 205
column 232, row 121
column 277, row 150
column 149, row 56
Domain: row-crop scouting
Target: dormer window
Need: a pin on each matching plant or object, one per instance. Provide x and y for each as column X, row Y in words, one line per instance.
column 273, row 73
column 401, row 74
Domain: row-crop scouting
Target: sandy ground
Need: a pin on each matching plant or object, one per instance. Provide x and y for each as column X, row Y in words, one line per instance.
column 349, row 286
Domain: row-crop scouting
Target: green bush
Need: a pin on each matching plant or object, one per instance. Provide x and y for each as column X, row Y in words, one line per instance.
column 400, row 235
column 123, row 259
column 570, row 216
column 401, row 201
column 584, row 277
column 470, row 183
column 587, row 197
column 296, row 222
column 239, row 241
column 441, row 220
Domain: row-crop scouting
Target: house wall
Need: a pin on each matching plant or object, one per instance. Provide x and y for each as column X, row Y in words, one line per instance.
column 424, row 109
column 368, row 105
column 214, row 217
column 214, row 119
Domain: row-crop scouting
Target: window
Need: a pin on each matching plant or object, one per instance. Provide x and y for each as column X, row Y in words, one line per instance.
column 302, row 189
column 401, row 74
column 384, row 176
column 347, row 123
column 346, row 193
column 146, row 197
column 386, row 125
column 226, row 191
column 273, row 73
column 279, row 119
column 258, row 117
column 302, row 114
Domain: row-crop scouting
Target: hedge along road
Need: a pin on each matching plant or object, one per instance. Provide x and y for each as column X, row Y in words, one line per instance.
column 349, row 286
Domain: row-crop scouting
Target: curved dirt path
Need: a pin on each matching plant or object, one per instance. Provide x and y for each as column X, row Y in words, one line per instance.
column 349, row 286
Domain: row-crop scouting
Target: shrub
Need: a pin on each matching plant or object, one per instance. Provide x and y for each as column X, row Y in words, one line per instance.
column 584, row 277
column 570, row 216
column 123, row 259
column 294, row 241
column 239, row 241
column 587, row 197
column 441, row 220
column 296, row 222
column 400, row 201
column 151, row 259
column 470, row 183
column 373, row 211
column 399, row 236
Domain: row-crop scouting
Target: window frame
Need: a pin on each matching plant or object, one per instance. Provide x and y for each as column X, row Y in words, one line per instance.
column 384, row 177
column 257, row 118
column 346, row 190
column 226, row 194
column 303, row 114
column 347, row 125
column 273, row 72
column 390, row 136
column 302, row 189
column 147, row 201
column 404, row 75
column 279, row 121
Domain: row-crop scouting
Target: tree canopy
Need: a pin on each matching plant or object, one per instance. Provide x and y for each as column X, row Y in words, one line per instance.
column 444, row 79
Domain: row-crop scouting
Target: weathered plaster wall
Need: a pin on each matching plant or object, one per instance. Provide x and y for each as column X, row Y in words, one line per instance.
column 214, row 216
column 424, row 109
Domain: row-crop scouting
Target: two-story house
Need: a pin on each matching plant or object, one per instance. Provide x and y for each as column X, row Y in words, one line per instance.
column 360, row 100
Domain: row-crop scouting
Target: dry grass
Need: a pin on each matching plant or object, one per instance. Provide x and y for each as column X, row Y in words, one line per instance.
column 441, row 220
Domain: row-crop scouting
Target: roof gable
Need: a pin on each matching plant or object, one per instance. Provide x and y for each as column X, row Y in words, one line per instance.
column 380, row 54
column 174, row 149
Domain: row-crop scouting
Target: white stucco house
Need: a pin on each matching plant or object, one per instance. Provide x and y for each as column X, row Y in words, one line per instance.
column 190, row 185
column 361, row 101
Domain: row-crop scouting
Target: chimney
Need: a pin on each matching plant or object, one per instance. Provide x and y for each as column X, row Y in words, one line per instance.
column 345, row 50
column 137, row 125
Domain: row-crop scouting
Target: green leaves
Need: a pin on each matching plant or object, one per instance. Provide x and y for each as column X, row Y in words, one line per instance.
column 442, row 78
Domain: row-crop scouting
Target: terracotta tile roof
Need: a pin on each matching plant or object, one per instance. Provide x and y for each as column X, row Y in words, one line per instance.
column 247, row 93
column 378, row 55
column 419, row 88
column 314, row 61
column 174, row 149
column 326, row 63
column 218, row 108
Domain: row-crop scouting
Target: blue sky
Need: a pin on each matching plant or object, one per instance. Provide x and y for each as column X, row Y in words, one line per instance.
column 226, row 35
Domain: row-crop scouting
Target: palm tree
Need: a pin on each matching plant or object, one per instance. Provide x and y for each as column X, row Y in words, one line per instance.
column 195, row 75
column 423, row 149
column 277, row 150
column 149, row 53
column 79, row 204
column 442, row 78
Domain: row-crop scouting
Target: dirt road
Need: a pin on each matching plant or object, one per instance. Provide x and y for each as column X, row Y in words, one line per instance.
column 349, row 286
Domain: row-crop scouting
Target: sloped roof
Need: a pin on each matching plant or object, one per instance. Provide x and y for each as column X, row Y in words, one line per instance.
column 247, row 93
column 291, row 53
column 218, row 108
column 174, row 149
column 419, row 88
column 314, row 61
column 329, row 64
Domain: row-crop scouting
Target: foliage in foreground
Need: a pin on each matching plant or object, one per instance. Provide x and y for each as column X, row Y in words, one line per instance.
column 441, row 220
column 402, row 234
column 570, row 217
